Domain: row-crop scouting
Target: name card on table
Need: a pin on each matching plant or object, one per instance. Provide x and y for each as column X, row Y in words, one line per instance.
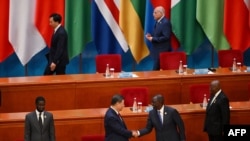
column 126, row 75
column 201, row 71
column 248, row 69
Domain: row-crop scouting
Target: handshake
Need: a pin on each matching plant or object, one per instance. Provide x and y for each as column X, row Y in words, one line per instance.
column 135, row 133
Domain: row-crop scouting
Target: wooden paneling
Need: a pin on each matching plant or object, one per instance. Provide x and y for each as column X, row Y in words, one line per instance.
column 72, row 124
column 94, row 91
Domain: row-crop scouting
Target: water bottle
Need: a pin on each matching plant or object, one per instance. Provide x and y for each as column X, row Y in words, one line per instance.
column 180, row 68
column 135, row 106
column 234, row 65
column 107, row 73
column 204, row 104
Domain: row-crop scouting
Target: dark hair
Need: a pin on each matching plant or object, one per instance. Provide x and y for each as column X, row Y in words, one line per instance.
column 116, row 98
column 40, row 98
column 56, row 17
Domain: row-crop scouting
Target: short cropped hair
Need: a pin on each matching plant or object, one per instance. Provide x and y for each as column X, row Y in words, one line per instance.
column 116, row 98
column 40, row 98
column 56, row 17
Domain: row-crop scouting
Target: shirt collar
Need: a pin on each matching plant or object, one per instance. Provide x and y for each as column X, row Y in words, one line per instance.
column 162, row 109
column 114, row 110
column 158, row 21
column 37, row 113
column 57, row 28
column 217, row 94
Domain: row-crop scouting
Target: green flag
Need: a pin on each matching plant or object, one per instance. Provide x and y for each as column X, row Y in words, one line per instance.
column 77, row 23
column 185, row 26
column 210, row 16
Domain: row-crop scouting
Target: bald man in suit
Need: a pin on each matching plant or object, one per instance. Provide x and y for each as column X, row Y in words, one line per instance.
column 217, row 112
column 160, row 37
column 39, row 124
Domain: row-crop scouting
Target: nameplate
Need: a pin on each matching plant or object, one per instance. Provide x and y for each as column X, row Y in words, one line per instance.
column 201, row 71
column 248, row 69
column 125, row 75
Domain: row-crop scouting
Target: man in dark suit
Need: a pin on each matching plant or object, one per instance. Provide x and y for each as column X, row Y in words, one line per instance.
column 39, row 124
column 161, row 36
column 166, row 120
column 58, row 54
column 217, row 113
column 115, row 128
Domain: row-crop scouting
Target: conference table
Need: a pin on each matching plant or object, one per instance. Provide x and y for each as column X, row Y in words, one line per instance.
column 71, row 125
column 80, row 91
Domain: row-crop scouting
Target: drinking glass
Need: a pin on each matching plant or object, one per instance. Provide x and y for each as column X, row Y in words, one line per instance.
column 139, row 106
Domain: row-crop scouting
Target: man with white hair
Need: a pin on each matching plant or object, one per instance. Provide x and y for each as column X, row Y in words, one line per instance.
column 160, row 37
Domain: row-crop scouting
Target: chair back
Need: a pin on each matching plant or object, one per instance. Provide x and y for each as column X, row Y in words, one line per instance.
column 226, row 57
column 114, row 61
column 197, row 92
column 171, row 60
column 140, row 93
column 93, row 138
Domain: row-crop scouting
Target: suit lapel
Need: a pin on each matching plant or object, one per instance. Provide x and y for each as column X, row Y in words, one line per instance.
column 35, row 121
column 164, row 115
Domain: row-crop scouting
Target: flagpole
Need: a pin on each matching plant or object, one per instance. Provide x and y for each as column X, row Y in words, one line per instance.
column 133, row 65
column 212, row 60
column 80, row 63
column 26, row 70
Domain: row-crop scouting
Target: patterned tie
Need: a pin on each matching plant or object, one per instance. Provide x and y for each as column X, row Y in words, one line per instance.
column 159, row 114
column 120, row 116
column 40, row 120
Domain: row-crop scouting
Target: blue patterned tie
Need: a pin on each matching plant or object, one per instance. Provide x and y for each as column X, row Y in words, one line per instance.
column 159, row 114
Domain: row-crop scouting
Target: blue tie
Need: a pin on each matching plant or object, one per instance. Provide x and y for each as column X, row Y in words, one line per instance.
column 159, row 114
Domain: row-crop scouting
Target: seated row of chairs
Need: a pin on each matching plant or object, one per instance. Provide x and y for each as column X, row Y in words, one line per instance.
column 168, row 60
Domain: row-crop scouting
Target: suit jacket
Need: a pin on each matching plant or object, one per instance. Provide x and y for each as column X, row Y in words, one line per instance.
column 172, row 128
column 217, row 115
column 33, row 132
column 161, row 35
column 115, row 128
column 58, row 50
column 160, row 41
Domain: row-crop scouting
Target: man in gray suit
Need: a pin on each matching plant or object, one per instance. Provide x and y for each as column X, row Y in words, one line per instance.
column 166, row 120
column 39, row 124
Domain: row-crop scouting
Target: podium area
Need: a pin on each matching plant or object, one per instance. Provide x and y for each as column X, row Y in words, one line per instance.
column 70, row 125
column 83, row 91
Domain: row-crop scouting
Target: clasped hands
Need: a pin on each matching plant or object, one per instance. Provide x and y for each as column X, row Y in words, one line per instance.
column 135, row 133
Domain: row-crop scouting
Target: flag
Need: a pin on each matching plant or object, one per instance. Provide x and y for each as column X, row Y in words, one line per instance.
column 247, row 3
column 185, row 26
column 5, row 46
column 210, row 16
column 77, row 23
column 44, row 8
column 23, row 35
column 236, row 26
column 133, row 10
column 106, row 32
